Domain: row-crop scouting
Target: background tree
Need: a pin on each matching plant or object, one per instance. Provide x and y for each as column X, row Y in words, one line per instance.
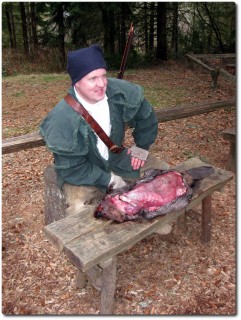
column 33, row 26
column 24, row 27
column 174, row 37
column 163, row 30
column 161, row 51
column 10, row 24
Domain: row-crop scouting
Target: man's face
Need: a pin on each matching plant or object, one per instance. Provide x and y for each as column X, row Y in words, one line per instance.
column 92, row 87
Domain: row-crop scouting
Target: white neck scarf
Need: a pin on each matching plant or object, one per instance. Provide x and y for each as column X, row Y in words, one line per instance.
column 101, row 113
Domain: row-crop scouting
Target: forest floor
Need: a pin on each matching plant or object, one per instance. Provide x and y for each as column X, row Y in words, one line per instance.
column 161, row 275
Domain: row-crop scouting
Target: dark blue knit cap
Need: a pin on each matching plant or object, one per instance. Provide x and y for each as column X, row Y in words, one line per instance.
column 83, row 61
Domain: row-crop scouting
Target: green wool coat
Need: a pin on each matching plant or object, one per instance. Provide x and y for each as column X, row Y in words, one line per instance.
column 74, row 144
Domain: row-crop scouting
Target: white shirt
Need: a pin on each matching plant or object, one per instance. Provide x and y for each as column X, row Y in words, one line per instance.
column 101, row 113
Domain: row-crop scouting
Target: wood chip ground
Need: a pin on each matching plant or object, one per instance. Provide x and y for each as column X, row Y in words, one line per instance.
column 162, row 275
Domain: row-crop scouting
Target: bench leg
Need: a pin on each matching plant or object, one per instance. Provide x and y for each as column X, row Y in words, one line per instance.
column 182, row 222
column 108, row 287
column 206, row 219
column 81, row 279
column 232, row 157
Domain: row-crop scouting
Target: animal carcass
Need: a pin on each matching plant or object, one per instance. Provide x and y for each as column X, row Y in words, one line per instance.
column 157, row 193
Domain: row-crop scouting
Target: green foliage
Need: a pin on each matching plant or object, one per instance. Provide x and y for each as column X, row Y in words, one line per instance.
column 203, row 27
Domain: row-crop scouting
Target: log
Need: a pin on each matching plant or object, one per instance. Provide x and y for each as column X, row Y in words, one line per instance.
column 168, row 114
column 23, row 142
column 196, row 59
column 54, row 199
column 33, row 140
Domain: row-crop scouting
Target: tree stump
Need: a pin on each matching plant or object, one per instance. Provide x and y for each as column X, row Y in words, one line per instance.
column 55, row 204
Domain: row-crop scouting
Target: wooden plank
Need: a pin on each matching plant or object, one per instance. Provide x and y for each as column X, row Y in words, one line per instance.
column 34, row 140
column 98, row 246
column 199, row 62
column 116, row 238
column 87, row 241
column 67, row 229
column 23, row 142
column 168, row 114
column 69, row 232
column 196, row 58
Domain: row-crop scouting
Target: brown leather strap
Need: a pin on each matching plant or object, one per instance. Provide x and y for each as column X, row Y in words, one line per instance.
column 94, row 125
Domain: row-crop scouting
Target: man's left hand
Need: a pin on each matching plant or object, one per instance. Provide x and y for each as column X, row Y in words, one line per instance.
column 138, row 157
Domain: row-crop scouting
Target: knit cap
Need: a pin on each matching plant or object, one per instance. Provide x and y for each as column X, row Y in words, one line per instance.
column 83, row 61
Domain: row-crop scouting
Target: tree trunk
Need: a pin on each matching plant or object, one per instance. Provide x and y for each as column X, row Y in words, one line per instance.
column 60, row 19
column 108, row 19
column 122, row 27
column 146, row 27
column 151, row 32
column 28, row 24
column 105, row 24
column 33, row 26
column 10, row 24
column 174, row 44
column 215, row 27
column 24, row 27
column 161, row 52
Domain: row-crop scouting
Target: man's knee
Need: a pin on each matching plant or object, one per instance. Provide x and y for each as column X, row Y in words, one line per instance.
column 80, row 197
column 154, row 163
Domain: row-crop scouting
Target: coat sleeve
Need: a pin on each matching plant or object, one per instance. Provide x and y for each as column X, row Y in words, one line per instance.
column 145, row 126
column 77, row 170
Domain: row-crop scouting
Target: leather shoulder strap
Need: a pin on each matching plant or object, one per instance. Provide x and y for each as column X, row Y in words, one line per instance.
column 94, row 125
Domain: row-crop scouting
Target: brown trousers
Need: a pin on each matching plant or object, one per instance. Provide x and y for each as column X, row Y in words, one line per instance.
column 80, row 197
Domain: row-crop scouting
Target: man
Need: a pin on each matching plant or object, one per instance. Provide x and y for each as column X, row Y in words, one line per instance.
column 84, row 165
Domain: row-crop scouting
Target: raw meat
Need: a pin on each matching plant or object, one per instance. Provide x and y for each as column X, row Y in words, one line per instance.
column 157, row 193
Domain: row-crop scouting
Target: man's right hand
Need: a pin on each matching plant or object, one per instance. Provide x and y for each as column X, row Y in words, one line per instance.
column 138, row 157
column 116, row 182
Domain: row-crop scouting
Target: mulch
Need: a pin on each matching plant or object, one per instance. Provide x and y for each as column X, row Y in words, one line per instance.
column 161, row 275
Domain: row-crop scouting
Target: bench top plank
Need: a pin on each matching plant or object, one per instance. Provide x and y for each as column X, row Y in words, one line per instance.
column 87, row 241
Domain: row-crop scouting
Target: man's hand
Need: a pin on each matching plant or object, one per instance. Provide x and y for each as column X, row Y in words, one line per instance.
column 116, row 182
column 138, row 157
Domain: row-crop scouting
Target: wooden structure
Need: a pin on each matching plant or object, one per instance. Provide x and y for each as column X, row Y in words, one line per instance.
column 33, row 140
column 90, row 243
column 26, row 141
column 94, row 243
column 230, row 135
column 197, row 60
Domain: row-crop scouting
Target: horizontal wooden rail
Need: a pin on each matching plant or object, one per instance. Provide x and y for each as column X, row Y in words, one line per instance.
column 23, row 142
column 33, row 140
column 168, row 114
column 195, row 59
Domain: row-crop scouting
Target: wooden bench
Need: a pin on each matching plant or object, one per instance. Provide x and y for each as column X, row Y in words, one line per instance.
column 230, row 135
column 88, row 242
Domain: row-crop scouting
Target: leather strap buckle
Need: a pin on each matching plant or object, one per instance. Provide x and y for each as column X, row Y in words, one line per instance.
column 116, row 149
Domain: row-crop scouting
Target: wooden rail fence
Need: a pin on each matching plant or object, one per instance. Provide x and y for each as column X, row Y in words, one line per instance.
column 32, row 140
